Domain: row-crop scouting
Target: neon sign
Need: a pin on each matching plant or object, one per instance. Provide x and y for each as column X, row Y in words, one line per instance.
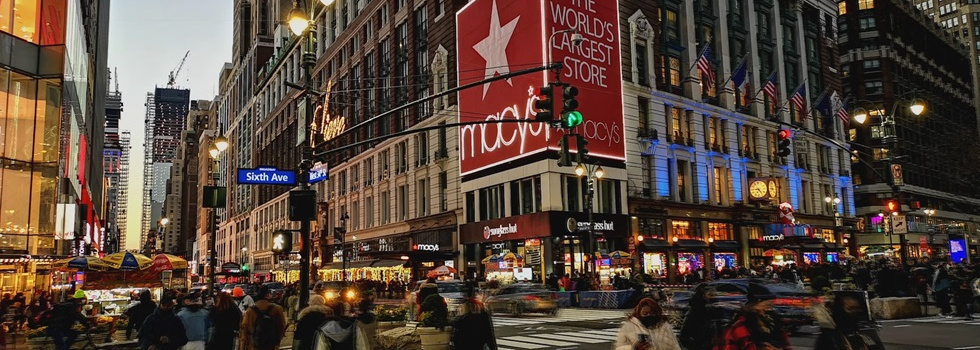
column 326, row 126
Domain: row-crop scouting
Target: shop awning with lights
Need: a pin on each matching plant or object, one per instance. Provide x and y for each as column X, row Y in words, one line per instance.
column 725, row 245
column 655, row 243
column 691, row 243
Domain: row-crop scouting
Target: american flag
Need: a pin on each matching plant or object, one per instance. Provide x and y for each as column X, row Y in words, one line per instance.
column 843, row 115
column 770, row 87
column 704, row 66
column 799, row 99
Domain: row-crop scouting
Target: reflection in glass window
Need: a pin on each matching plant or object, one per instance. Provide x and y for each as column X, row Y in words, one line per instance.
column 25, row 19
column 19, row 130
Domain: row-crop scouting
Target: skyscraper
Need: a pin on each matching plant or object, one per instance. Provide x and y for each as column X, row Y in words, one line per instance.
column 166, row 112
column 112, row 167
column 123, row 216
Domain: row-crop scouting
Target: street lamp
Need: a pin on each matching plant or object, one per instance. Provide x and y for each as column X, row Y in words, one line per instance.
column 343, row 248
column 218, row 145
column 301, row 23
column 593, row 171
column 890, row 140
column 838, row 221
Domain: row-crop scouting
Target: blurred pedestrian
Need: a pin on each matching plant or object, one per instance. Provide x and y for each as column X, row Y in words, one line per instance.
column 137, row 313
column 367, row 327
column 941, row 284
column 264, row 324
column 756, row 326
column 840, row 324
column 292, row 305
column 63, row 317
column 646, row 328
column 310, row 319
column 196, row 322
column 226, row 320
column 242, row 300
column 474, row 327
column 163, row 330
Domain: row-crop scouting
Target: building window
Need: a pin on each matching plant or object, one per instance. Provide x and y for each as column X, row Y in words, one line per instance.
column 385, row 207
column 401, row 157
column 422, row 148
column 873, row 88
column 682, row 180
column 443, row 188
column 720, row 231
column 682, row 230
column 872, row 64
column 355, row 217
column 369, row 211
column 525, row 196
column 720, row 181
column 642, row 64
column 866, row 4
column 402, row 202
column 672, row 27
column 842, row 8
column 422, row 191
column 369, row 172
column 492, row 202
column 867, row 23
column 880, row 153
column 383, row 171
column 877, row 132
column 643, row 112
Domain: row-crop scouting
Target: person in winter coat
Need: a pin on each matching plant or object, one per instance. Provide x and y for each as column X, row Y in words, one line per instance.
column 839, row 324
column 310, row 319
column 474, row 328
column 367, row 327
column 704, row 324
column 63, row 317
column 646, row 328
column 226, row 321
column 756, row 327
column 138, row 313
column 196, row 322
column 292, row 305
column 163, row 330
column 250, row 322
column 429, row 287
column 244, row 301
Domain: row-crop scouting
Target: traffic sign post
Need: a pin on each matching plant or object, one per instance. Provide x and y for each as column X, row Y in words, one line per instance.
column 319, row 172
column 897, row 176
column 266, row 176
column 899, row 225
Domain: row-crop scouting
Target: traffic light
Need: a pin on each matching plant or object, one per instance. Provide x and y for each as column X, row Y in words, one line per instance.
column 545, row 104
column 583, row 153
column 915, row 205
column 564, row 159
column 570, row 116
column 892, row 206
column 784, row 141
column 338, row 233
column 282, row 241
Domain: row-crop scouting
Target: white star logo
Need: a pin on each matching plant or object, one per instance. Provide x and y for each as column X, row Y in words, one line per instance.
column 493, row 48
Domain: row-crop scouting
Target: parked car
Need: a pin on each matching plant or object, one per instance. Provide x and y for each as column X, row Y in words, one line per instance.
column 450, row 290
column 276, row 290
column 520, row 298
column 792, row 303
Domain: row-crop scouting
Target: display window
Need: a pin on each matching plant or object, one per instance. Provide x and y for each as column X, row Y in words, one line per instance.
column 689, row 262
column 655, row 264
column 723, row 260
column 811, row 258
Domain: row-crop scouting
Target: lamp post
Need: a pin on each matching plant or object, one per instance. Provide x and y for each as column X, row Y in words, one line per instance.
column 834, row 202
column 220, row 144
column 592, row 172
column 343, row 248
column 890, row 140
column 301, row 24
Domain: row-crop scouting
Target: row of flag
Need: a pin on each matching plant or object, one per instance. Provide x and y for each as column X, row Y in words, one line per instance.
column 826, row 105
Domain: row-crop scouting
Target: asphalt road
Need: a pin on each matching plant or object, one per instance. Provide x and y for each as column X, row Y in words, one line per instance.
column 596, row 329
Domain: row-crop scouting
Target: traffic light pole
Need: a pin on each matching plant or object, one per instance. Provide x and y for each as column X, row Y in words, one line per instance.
column 309, row 59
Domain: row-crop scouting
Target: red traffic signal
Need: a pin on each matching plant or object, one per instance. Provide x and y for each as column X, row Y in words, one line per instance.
column 892, row 205
column 785, row 134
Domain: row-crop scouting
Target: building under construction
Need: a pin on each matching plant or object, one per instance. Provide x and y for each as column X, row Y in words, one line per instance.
column 166, row 116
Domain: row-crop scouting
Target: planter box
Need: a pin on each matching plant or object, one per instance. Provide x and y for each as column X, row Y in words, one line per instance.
column 895, row 308
column 433, row 338
column 386, row 325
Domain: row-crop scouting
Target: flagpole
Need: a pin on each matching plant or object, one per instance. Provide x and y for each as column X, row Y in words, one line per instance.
column 689, row 75
column 763, row 87
column 732, row 75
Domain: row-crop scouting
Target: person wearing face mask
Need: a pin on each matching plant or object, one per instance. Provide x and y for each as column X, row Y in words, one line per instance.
column 196, row 323
column 756, row 326
column 646, row 328
column 840, row 325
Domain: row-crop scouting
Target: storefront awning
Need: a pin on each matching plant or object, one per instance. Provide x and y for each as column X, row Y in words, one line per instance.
column 691, row 243
column 655, row 243
column 725, row 245
column 358, row 264
column 388, row 263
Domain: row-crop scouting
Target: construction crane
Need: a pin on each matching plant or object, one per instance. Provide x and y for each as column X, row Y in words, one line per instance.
column 172, row 82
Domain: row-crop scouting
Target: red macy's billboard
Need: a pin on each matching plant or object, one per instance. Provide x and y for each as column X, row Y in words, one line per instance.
column 496, row 37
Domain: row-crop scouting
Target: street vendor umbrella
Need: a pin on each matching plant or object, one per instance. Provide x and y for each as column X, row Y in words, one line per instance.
column 491, row 259
column 81, row 263
column 511, row 257
column 619, row 254
column 441, row 271
column 164, row 262
column 127, row 261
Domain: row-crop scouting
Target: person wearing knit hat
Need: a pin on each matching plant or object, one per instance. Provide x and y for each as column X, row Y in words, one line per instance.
column 79, row 294
column 244, row 301
column 64, row 316
column 310, row 318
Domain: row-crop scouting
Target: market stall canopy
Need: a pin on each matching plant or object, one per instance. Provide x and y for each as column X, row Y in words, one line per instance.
column 775, row 252
column 164, row 262
column 81, row 263
column 619, row 254
column 122, row 279
column 441, row 271
column 128, row 261
column 511, row 257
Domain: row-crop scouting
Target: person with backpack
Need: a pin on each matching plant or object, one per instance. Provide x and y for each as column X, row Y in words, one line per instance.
column 62, row 317
column 244, row 301
column 310, row 319
column 163, row 330
column 138, row 313
column 196, row 322
column 264, row 325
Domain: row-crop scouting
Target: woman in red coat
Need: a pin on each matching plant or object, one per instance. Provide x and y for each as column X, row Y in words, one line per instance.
column 756, row 327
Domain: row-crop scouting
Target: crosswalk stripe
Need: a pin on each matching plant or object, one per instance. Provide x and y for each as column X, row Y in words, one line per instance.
column 576, row 339
column 500, row 348
column 590, row 335
column 515, row 344
column 548, row 342
column 611, row 331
